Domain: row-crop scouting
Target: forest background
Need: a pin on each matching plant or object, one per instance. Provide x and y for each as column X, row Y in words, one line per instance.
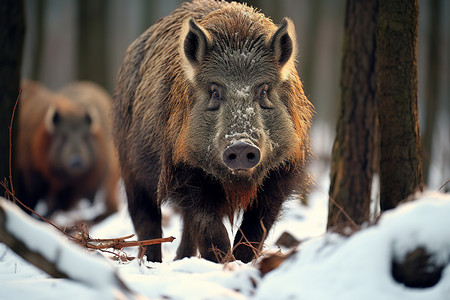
column 86, row 40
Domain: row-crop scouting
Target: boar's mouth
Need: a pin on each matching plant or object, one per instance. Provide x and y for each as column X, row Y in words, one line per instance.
column 241, row 157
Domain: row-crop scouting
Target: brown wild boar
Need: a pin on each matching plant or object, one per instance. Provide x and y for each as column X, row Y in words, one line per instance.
column 65, row 148
column 209, row 114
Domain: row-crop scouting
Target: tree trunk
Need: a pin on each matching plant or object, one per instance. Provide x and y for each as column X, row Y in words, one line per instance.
column 309, row 44
column 400, row 148
column 353, row 149
column 12, row 33
column 38, row 47
column 431, row 85
column 92, row 57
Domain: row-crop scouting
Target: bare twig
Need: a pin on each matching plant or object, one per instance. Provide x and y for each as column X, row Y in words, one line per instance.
column 16, row 200
column 226, row 257
column 342, row 210
column 95, row 244
column 10, row 142
column 261, row 245
column 447, row 182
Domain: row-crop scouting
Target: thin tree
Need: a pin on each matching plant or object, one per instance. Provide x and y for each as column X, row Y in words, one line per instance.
column 12, row 24
column 354, row 146
column 92, row 36
column 396, row 67
column 431, row 84
column 39, row 14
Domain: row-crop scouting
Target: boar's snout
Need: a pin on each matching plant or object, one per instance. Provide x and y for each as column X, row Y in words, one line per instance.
column 76, row 165
column 75, row 162
column 241, row 156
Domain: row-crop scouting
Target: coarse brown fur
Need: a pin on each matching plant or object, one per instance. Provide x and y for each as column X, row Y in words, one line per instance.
column 44, row 148
column 171, row 132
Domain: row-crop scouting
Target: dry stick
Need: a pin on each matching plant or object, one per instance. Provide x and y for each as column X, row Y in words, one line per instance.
column 117, row 243
column 225, row 257
column 10, row 141
column 219, row 254
column 246, row 242
column 261, row 245
column 447, row 182
column 16, row 200
column 342, row 210
column 121, row 243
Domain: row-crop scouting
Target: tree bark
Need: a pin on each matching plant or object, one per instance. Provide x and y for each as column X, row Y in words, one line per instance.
column 12, row 33
column 36, row 65
column 354, row 148
column 431, row 85
column 400, row 148
column 92, row 56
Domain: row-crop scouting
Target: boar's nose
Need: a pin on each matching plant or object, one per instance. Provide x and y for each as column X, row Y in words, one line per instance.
column 241, row 156
column 75, row 162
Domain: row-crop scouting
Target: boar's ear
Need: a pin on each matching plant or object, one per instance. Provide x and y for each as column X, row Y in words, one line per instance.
column 283, row 44
column 195, row 41
column 52, row 119
column 92, row 118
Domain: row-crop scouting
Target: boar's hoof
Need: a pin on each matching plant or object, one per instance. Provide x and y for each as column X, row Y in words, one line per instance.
column 241, row 156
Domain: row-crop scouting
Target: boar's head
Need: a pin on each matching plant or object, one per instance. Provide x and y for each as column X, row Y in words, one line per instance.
column 72, row 135
column 248, row 113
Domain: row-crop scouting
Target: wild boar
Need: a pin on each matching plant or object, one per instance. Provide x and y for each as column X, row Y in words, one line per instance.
column 209, row 114
column 65, row 150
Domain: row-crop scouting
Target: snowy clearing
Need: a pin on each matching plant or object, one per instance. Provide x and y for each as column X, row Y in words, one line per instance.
column 326, row 266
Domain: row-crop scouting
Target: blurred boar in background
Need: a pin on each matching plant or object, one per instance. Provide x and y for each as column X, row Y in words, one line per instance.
column 65, row 148
column 210, row 115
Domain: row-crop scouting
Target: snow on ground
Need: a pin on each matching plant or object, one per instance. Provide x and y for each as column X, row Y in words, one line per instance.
column 327, row 266
column 359, row 267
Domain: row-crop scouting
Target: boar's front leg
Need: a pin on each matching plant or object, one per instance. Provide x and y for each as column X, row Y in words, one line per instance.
column 257, row 219
column 200, row 200
column 146, row 215
column 204, row 229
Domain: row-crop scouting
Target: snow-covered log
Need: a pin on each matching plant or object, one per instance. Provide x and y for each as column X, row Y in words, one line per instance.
column 47, row 249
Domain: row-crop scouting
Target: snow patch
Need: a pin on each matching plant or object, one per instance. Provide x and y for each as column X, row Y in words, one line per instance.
column 244, row 91
column 359, row 267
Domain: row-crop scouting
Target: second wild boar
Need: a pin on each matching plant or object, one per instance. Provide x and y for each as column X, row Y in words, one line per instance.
column 65, row 148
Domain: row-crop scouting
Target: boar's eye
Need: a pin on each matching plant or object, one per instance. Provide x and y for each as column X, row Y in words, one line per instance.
column 215, row 98
column 215, row 95
column 264, row 101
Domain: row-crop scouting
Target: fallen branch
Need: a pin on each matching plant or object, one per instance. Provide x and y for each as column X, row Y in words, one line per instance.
column 447, row 182
column 56, row 256
column 10, row 141
column 87, row 242
column 118, row 243
column 25, row 252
